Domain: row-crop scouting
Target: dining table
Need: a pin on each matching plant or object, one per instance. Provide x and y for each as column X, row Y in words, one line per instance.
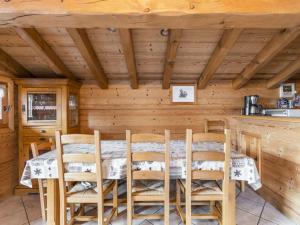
column 113, row 157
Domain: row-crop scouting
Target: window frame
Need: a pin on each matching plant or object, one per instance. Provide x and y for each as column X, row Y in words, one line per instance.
column 8, row 120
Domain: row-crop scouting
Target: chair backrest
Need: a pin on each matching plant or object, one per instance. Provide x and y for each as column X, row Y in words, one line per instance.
column 215, row 126
column 36, row 148
column 93, row 158
column 148, row 156
column 209, row 155
column 250, row 145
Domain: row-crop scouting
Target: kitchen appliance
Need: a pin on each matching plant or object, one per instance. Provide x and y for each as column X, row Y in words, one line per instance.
column 282, row 112
column 250, row 105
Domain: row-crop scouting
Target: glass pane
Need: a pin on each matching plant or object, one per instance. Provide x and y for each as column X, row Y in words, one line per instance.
column 3, row 95
column 41, row 106
column 73, row 110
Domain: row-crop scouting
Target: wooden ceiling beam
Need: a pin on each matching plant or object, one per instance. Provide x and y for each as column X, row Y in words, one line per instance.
column 12, row 66
column 225, row 44
column 179, row 14
column 36, row 41
column 172, row 46
column 128, row 49
column 285, row 74
column 86, row 50
column 270, row 50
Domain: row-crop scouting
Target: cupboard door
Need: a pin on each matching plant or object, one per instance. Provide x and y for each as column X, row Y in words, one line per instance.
column 41, row 106
column 73, row 110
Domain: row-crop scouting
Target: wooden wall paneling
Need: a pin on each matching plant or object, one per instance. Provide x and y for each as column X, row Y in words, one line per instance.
column 228, row 39
column 128, row 49
column 170, row 58
column 280, row 160
column 9, row 153
column 12, row 65
column 149, row 108
column 36, row 41
column 85, row 47
column 8, row 162
column 271, row 49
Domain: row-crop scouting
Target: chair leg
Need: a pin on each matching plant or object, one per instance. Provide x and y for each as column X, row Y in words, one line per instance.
column 63, row 213
column 178, row 196
column 42, row 199
column 129, row 211
column 243, row 185
column 115, row 197
column 188, row 212
column 100, row 208
column 167, row 212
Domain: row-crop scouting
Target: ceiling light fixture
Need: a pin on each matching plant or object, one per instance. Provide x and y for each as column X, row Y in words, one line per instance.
column 164, row 32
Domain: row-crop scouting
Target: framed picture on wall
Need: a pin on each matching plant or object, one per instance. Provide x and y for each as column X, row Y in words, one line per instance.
column 183, row 93
column 287, row 90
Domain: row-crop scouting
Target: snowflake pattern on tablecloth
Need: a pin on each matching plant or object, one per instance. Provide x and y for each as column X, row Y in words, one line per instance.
column 37, row 172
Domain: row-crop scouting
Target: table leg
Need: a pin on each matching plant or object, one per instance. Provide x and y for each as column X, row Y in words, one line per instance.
column 232, row 204
column 52, row 202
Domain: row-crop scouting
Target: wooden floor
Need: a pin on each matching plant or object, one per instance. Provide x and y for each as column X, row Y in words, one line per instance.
column 251, row 210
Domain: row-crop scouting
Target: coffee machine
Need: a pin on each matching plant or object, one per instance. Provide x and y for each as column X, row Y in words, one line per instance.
column 250, row 105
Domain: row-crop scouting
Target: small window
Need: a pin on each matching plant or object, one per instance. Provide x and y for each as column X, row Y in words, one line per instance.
column 3, row 104
column 6, row 98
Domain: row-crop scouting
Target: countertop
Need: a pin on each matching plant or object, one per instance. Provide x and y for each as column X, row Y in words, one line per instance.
column 269, row 118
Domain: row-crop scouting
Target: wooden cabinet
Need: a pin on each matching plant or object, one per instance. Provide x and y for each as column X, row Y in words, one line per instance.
column 45, row 105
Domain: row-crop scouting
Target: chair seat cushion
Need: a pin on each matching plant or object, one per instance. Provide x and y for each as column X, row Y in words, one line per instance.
column 204, row 187
column 141, row 187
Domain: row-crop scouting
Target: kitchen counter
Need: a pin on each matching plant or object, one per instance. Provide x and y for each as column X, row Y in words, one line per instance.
column 280, row 146
column 269, row 118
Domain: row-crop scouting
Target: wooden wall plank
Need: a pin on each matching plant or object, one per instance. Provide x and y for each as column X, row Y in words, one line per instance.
column 280, row 161
column 149, row 108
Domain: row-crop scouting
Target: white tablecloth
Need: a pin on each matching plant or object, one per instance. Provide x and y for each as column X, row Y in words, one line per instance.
column 114, row 162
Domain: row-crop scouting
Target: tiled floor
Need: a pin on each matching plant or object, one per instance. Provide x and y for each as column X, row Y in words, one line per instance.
column 251, row 210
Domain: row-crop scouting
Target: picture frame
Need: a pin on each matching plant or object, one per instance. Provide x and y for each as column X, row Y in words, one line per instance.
column 183, row 93
column 287, row 90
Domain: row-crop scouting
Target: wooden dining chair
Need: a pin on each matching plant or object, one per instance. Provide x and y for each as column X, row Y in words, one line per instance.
column 250, row 145
column 215, row 126
column 201, row 185
column 68, row 197
column 36, row 149
column 137, row 189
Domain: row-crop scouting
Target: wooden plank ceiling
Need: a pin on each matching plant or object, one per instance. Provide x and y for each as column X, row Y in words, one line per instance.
column 197, row 56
